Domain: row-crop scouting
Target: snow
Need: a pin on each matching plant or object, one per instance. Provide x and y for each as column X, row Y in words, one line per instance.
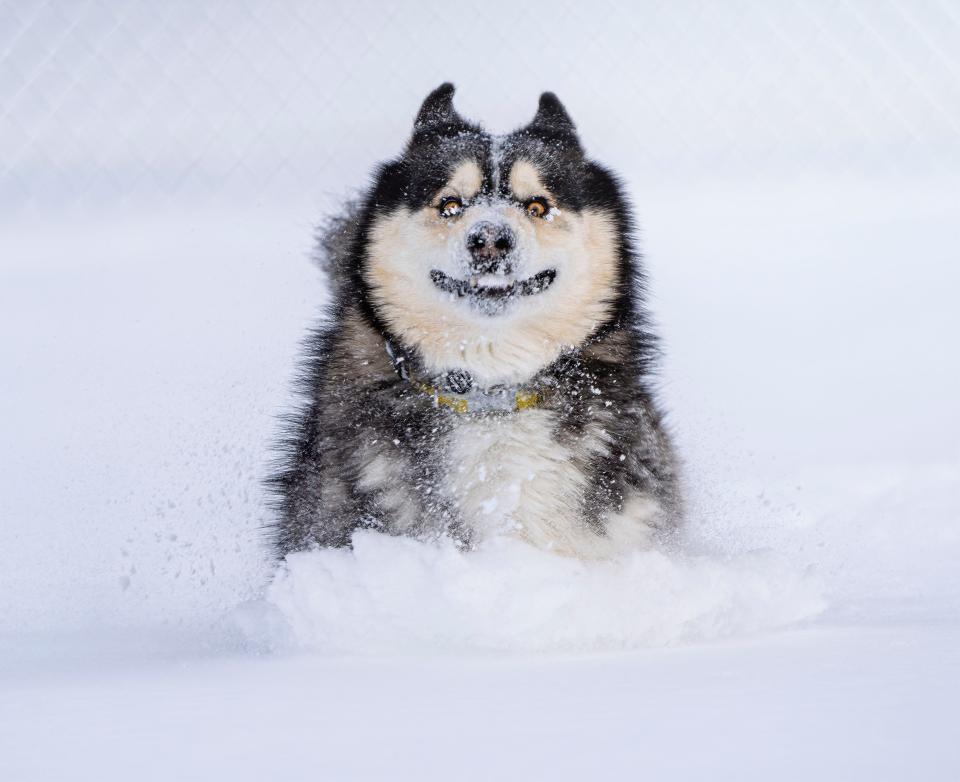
column 807, row 624
column 800, row 225
column 134, row 623
column 801, row 706
column 391, row 595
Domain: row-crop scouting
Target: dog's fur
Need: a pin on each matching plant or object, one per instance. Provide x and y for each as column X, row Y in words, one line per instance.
column 428, row 319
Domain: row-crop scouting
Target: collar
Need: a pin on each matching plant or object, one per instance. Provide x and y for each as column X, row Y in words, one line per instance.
column 456, row 390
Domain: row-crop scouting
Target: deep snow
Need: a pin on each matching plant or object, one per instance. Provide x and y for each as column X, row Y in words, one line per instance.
column 389, row 595
column 133, row 565
column 795, row 175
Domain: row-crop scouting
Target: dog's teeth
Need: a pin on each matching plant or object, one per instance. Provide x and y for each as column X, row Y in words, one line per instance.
column 495, row 281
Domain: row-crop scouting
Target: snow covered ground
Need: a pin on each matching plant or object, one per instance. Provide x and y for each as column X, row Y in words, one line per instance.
column 817, row 414
column 801, row 225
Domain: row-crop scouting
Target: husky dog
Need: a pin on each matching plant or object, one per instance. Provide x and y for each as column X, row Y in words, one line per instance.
column 484, row 368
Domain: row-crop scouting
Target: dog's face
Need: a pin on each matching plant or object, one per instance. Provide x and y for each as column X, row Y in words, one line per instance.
column 494, row 254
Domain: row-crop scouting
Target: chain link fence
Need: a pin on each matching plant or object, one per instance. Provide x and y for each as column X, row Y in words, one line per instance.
column 105, row 102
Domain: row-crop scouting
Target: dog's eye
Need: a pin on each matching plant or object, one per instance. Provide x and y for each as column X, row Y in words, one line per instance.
column 450, row 206
column 537, row 207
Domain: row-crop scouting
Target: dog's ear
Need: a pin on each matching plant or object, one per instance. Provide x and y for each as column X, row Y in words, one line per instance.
column 551, row 115
column 438, row 109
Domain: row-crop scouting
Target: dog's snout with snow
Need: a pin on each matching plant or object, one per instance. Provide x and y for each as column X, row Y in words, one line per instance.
column 491, row 246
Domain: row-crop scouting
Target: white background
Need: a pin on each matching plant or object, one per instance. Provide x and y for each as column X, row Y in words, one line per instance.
column 796, row 171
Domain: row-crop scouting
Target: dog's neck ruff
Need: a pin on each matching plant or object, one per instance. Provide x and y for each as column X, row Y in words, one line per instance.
column 456, row 391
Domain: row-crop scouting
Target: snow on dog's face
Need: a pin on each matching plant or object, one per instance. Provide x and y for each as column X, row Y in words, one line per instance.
column 493, row 254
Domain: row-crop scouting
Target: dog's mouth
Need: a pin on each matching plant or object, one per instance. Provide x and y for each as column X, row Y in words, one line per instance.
column 493, row 287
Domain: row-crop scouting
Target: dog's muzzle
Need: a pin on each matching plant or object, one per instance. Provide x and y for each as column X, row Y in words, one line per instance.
column 490, row 245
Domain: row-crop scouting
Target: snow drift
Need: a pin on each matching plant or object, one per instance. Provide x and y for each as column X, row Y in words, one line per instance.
column 394, row 594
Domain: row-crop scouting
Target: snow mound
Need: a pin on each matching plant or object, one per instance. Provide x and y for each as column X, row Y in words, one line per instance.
column 392, row 594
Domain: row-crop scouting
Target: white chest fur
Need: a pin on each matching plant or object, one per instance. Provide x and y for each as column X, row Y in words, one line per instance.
column 508, row 474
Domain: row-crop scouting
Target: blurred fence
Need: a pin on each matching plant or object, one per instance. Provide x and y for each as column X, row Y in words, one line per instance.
column 117, row 102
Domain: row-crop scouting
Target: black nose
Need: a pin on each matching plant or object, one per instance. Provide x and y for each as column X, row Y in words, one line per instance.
column 489, row 245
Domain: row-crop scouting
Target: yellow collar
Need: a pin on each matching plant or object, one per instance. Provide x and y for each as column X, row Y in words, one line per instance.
column 472, row 400
column 478, row 402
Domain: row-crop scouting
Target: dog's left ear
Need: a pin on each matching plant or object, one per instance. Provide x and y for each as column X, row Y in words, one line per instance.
column 551, row 115
column 437, row 108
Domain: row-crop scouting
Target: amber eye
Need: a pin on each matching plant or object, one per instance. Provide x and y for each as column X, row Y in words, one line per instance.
column 450, row 206
column 537, row 207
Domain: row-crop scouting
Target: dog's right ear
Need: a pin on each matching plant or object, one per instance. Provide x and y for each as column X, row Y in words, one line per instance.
column 552, row 117
column 437, row 109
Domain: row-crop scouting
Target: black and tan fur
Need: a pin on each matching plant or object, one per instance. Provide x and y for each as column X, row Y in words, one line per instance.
column 427, row 310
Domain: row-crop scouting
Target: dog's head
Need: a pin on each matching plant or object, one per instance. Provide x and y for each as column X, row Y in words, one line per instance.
column 493, row 254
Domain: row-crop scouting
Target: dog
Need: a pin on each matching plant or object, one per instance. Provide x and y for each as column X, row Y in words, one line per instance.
column 485, row 367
